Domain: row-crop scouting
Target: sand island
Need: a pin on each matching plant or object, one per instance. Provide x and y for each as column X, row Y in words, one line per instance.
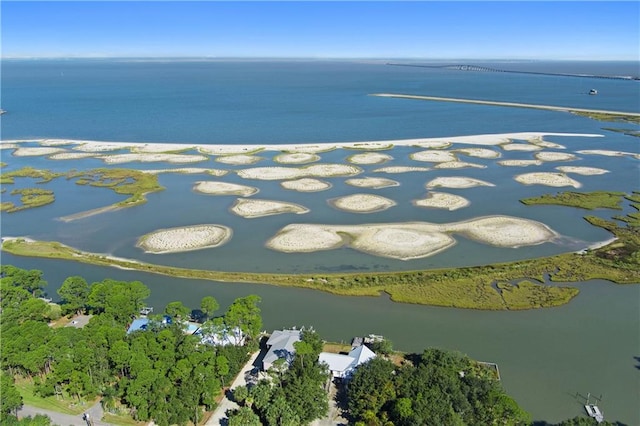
column 186, row 238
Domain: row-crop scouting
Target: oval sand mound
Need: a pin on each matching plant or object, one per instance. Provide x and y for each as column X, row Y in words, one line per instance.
column 306, row 185
column 371, row 182
column 224, row 188
column 579, row 170
column 456, row 182
column 258, row 208
column 432, row 156
column 442, row 200
column 296, row 158
column 504, row 231
column 362, row 203
column 369, row 158
column 401, row 243
column 184, row 239
column 548, row 179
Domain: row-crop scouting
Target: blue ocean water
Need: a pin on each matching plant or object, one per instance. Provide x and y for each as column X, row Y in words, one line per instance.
column 238, row 102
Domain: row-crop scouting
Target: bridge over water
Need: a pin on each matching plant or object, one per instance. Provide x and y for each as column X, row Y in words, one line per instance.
column 479, row 68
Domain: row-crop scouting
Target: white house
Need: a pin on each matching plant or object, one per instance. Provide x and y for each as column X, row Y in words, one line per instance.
column 343, row 366
column 280, row 345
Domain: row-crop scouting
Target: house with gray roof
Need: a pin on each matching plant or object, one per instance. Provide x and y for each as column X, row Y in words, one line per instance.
column 343, row 366
column 280, row 346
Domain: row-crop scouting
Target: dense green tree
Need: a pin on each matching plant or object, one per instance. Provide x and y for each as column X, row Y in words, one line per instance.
column 10, row 400
column 74, row 292
column 245, row 314
column 177, row 310
column 119, row 299
column 208, row 305
column 243, row 416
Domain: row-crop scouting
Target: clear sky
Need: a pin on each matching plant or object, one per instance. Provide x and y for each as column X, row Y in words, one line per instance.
column 329, row 29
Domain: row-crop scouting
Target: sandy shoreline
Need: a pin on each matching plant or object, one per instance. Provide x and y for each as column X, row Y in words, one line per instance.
column 221, row 149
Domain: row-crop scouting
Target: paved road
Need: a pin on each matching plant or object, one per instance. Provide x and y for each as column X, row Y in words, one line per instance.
column 508, row 104
column 62, row 419
column 219, row 416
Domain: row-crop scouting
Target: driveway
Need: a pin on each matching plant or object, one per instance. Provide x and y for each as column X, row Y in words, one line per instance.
column 61, row 419
column 219, row 416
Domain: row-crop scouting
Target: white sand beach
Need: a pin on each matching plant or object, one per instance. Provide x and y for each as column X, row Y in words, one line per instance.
column 253, row 208
column 218, row 149
column 185, row 238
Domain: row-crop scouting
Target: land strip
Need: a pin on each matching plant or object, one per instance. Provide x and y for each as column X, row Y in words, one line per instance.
column 509, row 104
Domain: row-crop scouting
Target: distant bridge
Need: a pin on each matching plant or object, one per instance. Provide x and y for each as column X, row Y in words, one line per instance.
column 478, row 68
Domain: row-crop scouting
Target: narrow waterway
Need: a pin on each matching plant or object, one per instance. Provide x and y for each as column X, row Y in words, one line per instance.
column 545, row 356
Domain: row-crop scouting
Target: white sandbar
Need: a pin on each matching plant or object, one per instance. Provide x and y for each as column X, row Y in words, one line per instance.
column 608, row 153
column 296, row 158
column 305, row 185
column 362, row 203
column 36, row 151
column 371, row 182
column 224, row 188
column 478, row 152
column 521, row 147
column 189, row 170
column 369, row 158
column 456, row 182
column 239, row 159
column 411, row 240
column 442, row 200
column 152, row 158
column 401, row 169
column 186, row 238
column 585, row 171
column 458, row 165
column 71, row 155
column 252, row 208
column 554, row 156
column 548, row 179
column 519, row 163
column 282, row 173
column 433, row 156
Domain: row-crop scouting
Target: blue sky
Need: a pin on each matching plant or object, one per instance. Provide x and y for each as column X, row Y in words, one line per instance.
column 332, row 29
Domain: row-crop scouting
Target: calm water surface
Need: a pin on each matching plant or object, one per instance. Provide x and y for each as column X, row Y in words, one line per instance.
column 545, row 356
